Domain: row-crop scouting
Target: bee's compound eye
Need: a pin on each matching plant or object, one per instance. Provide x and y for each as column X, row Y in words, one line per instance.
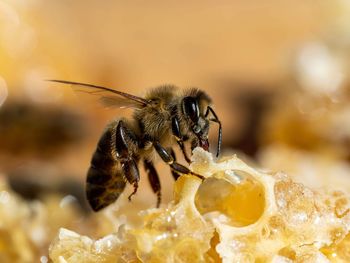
column 190, row 108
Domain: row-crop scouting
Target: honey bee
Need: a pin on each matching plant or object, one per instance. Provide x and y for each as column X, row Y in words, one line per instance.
column 163, row 118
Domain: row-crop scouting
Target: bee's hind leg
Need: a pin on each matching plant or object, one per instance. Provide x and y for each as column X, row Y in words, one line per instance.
column 125, row 139
column 166, row 157
column 132, row 175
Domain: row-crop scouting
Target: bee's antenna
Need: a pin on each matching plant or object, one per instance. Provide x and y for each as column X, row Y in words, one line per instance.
column 216, row 119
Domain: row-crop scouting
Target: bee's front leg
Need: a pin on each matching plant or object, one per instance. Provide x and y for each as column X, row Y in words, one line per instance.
column 215, row 119
column 179, row 138
column 166, row 157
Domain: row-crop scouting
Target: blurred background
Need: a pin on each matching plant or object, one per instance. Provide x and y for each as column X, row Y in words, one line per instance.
column 277, row 71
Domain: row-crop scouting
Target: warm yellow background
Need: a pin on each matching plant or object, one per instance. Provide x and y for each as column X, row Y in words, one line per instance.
column 134, row 45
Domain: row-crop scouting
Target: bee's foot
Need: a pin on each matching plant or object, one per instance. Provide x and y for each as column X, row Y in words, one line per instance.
column 134, row 192
column 159, row 197
column 198, row 176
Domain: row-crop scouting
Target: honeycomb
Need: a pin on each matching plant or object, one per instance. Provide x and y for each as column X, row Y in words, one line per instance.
column 237, row 214
column 28, row 227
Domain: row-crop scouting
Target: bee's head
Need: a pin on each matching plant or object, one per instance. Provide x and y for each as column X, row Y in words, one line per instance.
column 192, row 108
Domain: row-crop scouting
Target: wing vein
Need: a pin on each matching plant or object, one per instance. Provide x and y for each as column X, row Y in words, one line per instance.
column 140, row 100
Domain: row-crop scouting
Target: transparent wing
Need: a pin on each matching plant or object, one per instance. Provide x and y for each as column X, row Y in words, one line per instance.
column 111, row 101
column 107, row 96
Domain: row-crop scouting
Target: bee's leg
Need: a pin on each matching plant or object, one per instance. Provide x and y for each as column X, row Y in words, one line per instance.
column 153, row 178
column 194, row 143
column 216, row 119
column 179, row 138
column 125, row 139
column 179, row 168
column 182, row 147
column 173, row 172
column 132, row 175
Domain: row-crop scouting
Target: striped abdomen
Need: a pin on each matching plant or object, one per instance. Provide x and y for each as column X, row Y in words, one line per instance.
column 105, row 180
